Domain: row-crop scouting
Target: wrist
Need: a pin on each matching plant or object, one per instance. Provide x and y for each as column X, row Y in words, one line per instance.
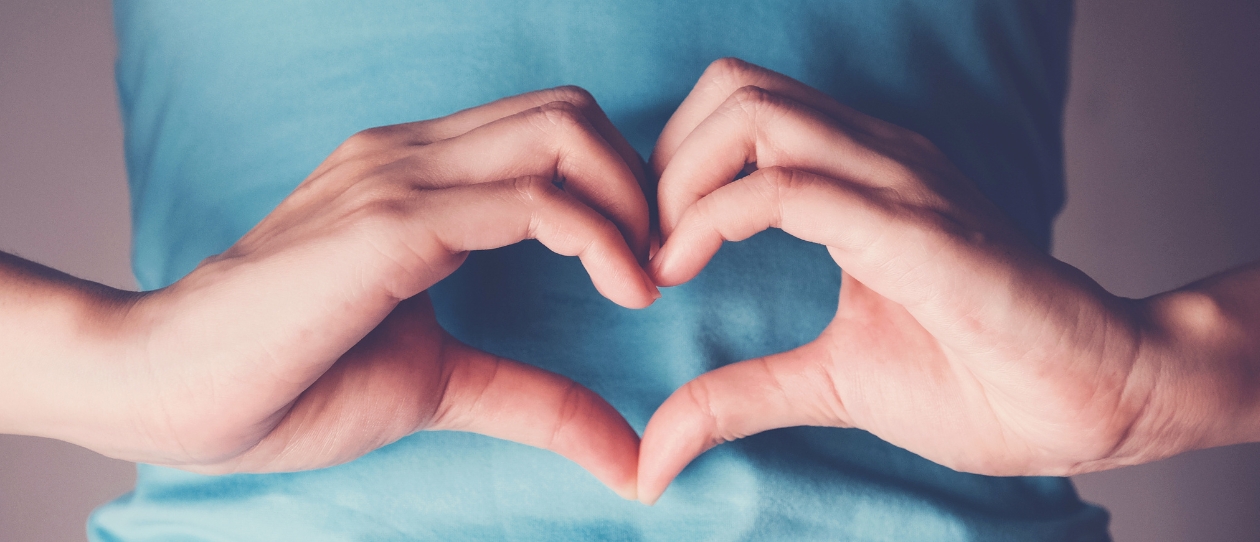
column 64, row 347
column 1198, row 357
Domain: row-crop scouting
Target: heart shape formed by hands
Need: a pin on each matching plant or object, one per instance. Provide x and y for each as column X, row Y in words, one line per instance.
column 949, row 338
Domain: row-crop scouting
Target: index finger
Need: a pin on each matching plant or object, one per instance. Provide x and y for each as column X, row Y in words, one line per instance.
column 555, row 139
column 464, row 121
column 723, row 78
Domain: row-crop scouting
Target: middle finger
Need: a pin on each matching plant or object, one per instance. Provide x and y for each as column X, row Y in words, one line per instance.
column 758, row 127
column 556, row 141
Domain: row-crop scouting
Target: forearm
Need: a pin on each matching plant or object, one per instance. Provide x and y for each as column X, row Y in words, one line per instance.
column 1201, row 349
column 61, row 350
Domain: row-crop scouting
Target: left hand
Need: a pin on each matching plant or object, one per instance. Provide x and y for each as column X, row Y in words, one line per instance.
column 955, row 337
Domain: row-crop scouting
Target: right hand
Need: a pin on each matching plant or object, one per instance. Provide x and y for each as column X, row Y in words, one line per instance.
column 312, row 341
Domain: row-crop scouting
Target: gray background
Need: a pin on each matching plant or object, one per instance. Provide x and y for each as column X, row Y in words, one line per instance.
column 1163, row 161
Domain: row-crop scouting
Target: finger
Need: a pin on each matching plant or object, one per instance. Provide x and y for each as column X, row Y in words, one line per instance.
column 555, row 140
column 732, row 402
column 493, row 215
column 723, row 78
column 513, row 401
column 905, row 253
column 808, row 206
column 755, row 126
column 462, row 122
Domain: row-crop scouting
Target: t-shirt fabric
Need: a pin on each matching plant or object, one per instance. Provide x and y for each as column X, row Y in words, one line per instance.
column 229, row 104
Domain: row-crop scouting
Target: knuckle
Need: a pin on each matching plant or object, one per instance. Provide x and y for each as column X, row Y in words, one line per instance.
column 371, row 211
column 573, row 94
column 569, row 411
column 357, row 166
column 370, row 138
column 701, row 398
column 534, row 190
column 916, row 139
column 706, row 212
column 607, row 230
column 367, row 143
column 375, row 193
column 730, row 73
column 754, row 106
column 777, row 180
column 561, row 114
column 462, row 392
column 777, row 175
column 777, row 187
column 382, row 212
column 752, row 98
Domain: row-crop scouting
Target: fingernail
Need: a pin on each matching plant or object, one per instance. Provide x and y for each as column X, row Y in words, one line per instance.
column 651, row 286
column 654, row 268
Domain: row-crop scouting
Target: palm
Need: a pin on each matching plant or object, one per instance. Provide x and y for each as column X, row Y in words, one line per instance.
column 384, row 388
column 895, row 379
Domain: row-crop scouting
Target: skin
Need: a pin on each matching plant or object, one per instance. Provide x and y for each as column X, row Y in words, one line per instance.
column 954, row 337
column 312, row 341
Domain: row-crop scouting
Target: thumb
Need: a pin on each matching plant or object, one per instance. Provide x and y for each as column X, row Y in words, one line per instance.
column 783, row 390
column 514, row 401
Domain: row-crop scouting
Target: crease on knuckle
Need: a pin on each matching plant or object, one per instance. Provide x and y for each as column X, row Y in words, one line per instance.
column 832, row 398
column 701, row 397
column 755, row 108
column 606, row 233
column 778, row 184
column 560, row 115
column 706, row 214
column 772, row 376
column 730, row 73
column 458, row 412
column 562, row 124
column 572, row 403
column 535, row 193
column 751, row 104
column 368, row 140
column 573, row 94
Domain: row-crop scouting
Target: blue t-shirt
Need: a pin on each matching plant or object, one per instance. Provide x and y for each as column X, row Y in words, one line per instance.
column 228, row 105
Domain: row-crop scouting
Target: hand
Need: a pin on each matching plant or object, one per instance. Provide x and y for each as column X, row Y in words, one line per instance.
column 312, row 340
column 955, row 338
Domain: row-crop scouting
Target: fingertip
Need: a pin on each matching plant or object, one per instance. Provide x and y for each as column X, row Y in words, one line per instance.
column 652, row 289
column 654, row 271
column 650, row 488
column 658, row 454
column 622, row 280
column 642, row 300
column 666, row 225
column 654, row 243
column 629, row 492
column 663, row 269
